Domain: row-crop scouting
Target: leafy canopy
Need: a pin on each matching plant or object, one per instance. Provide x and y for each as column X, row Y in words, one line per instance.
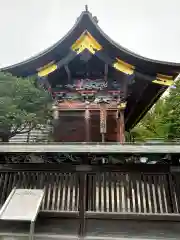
column 163, row 120
column 23, row 106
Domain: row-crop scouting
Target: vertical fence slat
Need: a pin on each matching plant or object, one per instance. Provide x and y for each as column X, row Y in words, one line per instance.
column 45, row 207
column 115, row 192
column 104, row 192
column 151, row 193
column 144, row 177
column 100, row 192
column 130, row 196
column 66, row 186
column 135, row 190
column 71, row 186
column 120, row 182
column 90, row 192
column 76, row 203
column 163, row 192
column 61, row 191
column 172, row 192
column 56, row 192
column 110, row 191
column 125, row 186
column 141, row 193
column 156, row 187
column 94, row 193
column 161, row 200
column 4, row 180
column 9, row 185
column 50, row 192
column 169, row 199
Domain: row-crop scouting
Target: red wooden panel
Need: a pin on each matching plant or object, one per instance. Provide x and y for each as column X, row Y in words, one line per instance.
column 71, row 127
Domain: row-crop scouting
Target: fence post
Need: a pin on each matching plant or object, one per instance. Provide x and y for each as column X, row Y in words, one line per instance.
column 82, row 205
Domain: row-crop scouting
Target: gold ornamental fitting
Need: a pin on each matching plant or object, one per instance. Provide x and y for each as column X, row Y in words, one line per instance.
column 122, row 105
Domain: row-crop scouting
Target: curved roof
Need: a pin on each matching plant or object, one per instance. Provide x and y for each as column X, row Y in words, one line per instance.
column 146, row 89
column 87, row 22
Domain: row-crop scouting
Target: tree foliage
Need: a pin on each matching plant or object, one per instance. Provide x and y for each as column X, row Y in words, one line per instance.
column 163, row 120
column 171, row 117
column 23, row 106
column 151, row 126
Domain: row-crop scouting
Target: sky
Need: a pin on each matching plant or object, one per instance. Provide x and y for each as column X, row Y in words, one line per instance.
column 147, row 27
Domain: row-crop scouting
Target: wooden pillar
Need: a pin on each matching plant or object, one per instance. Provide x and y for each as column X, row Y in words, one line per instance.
column 120, row 123
column 103, row 120
column 55, row 112
column 87, row 124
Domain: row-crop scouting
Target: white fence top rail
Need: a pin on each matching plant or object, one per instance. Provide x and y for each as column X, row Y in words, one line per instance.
column 89, row 148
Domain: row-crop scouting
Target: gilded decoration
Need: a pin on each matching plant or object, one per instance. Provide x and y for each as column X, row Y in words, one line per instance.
column 122, row 105
column 123, row 67
column 86, row 41
column 164, row 80
column 47, row 69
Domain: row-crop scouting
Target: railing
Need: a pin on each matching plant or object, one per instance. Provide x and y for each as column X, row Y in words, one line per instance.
column 106, row 192
column 44, row 140
column 98, row 192
column 33, row 136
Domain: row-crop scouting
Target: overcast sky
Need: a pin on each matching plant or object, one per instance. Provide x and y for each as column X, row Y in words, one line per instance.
column 147, row 27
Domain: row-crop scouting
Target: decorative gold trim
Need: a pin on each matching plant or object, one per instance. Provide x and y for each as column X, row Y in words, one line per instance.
column 124, row 67
column 47, row 69
column 164, row 80
column 86, row 41
column 122, row 105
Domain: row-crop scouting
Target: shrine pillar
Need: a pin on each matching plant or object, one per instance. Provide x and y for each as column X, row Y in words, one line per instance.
column 120, row 123
column 55, row 112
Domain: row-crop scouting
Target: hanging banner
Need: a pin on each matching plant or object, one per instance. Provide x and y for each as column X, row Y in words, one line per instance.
column 103, row 119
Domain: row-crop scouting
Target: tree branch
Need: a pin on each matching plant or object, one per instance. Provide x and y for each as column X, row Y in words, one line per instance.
column 23, row 132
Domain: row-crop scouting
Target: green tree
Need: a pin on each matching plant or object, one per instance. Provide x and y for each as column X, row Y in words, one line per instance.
column 171, row 117
column 152, row 125
column 163, row 120
column 23, row 106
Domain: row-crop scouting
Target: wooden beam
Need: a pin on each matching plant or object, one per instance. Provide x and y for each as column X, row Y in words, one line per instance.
column 120, row 123
column 125, row 87
column 55, row 112
column 68, row 72
column 106, row 68
column 121, row 127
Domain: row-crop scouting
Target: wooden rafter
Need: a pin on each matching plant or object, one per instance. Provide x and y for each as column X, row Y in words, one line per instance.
column 106, row 68
column 68, row 72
